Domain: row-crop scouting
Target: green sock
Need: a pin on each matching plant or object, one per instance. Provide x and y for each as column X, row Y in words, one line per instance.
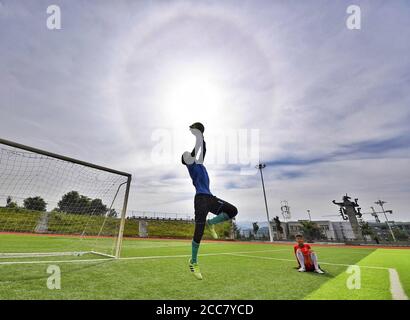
column 195, row 248
column 219, row 218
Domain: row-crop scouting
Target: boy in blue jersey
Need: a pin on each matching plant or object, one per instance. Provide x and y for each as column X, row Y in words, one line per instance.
column 204, row 201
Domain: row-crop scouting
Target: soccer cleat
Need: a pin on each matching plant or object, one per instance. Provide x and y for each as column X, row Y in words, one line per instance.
column 212, row 230
column 301, row 269
column 319, row 271
column 194, row 267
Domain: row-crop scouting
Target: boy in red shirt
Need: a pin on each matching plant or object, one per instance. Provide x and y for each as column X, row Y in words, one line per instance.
column 306, row 258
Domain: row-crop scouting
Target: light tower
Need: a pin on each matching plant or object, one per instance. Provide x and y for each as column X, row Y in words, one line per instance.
column 381, row 203
column 261, row 166
column 310, row 218
column 375, row 215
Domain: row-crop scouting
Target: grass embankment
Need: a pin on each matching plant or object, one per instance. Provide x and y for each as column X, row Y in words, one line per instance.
column 22, row 220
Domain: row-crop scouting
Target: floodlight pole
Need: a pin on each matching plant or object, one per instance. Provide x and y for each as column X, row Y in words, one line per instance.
column 375, row 215
column 260, row 167
column 310, row 218
column 381, row 203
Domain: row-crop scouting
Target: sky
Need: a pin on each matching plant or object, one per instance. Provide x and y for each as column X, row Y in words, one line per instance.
column 286, row 83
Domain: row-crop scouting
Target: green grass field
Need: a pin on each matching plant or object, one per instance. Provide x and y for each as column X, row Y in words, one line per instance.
column 157, row 269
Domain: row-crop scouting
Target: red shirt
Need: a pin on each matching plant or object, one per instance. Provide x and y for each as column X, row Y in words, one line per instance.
column 306, row 250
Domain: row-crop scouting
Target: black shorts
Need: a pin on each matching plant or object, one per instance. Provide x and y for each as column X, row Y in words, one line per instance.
column 205, row 203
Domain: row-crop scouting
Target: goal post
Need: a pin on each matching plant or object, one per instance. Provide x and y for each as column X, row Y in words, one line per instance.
column 53, row 205
column 122, row 222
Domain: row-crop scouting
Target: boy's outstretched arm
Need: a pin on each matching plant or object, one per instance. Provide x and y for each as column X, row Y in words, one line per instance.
column 198, row 146
column 193, row 153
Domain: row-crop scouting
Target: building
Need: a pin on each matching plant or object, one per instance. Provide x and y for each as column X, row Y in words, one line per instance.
column 342, row 231
column 337, row 231
column 382, row 230
column 403, row 226
column 331, row 230
column 262, row 234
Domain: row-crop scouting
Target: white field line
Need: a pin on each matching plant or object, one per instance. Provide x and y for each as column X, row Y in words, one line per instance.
column 131, row 258
column 396, row 288
column 155, row 247
column 201, row 255
column 294, row 260
column 173, row 246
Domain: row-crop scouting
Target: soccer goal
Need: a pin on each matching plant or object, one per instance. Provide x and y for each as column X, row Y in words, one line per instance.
column 52, row 205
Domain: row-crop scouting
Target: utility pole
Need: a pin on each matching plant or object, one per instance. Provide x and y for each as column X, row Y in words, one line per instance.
column 310, row 218
column 260, row 167
column 381, row 203
column 375, row 215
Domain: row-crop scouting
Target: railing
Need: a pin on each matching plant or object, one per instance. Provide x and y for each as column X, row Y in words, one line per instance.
column 155, row 215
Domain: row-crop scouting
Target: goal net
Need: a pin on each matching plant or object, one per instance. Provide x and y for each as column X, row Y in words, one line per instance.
column 51, row 205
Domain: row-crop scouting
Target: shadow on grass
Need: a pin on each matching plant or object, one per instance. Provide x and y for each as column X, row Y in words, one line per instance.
column 326, row 274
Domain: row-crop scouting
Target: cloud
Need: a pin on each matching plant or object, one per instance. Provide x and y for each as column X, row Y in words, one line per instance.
column 331, row 104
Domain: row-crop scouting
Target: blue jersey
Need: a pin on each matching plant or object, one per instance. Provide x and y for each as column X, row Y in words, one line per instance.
column 200, row 178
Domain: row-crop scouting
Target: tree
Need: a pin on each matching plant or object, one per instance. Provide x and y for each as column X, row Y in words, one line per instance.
column 73, row 202
column 311, row 230
column 255, row 228
column 35, row 203
column 69, row 202
column 400, row 235
column 236, row 230
column 227, row 233
column 83, row 205
column 10, row 204
column 96, row 207
column 366, row 229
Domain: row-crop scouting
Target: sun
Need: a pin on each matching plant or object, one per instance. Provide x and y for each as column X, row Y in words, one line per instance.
column 193, row 95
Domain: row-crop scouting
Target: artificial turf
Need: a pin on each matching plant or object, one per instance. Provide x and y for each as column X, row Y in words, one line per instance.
column 158, row 269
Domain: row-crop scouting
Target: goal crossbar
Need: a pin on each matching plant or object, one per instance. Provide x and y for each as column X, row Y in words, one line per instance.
column 61, row 157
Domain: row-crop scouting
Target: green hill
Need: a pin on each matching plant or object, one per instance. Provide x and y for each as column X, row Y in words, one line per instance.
column 22, row 220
